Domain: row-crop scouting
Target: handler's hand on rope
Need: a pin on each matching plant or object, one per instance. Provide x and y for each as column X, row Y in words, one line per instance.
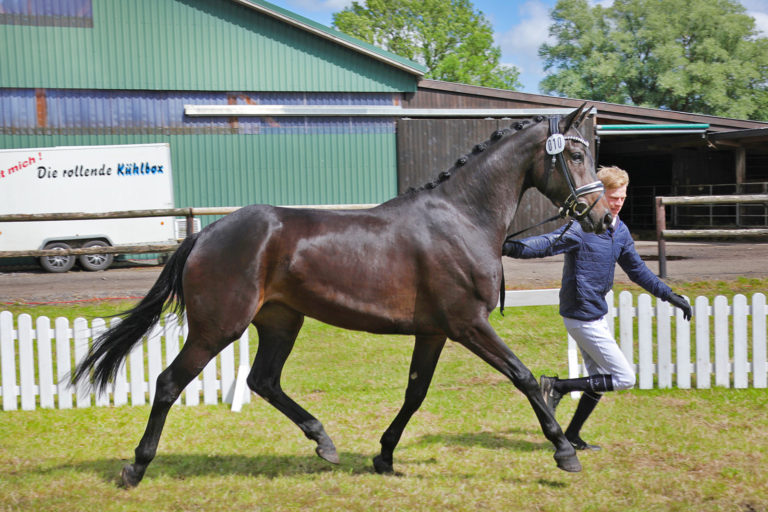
column 512, row 248
column 680, row 302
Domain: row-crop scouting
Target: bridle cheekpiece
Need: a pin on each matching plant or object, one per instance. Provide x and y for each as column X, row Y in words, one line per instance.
column 555, row 146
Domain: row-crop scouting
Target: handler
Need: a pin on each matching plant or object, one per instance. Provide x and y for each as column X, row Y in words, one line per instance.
column 587, row 277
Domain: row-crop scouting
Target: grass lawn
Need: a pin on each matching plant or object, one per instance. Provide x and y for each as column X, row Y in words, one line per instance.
column 474, row 445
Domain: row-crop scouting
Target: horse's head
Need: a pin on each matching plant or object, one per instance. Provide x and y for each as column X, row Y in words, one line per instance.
column 564, row 171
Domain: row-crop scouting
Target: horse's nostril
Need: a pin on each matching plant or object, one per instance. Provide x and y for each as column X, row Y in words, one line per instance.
column 607, row 219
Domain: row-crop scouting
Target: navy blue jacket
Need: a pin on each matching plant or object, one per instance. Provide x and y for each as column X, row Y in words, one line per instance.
column 588, row 271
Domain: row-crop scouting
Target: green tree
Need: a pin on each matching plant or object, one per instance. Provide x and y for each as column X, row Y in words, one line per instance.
column 447, row 36
column 688, row 55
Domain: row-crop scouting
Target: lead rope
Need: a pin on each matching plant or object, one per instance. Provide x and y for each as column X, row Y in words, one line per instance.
column 503, row 291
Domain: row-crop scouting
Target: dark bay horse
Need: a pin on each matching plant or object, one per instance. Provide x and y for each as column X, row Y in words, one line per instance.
column 426, row 263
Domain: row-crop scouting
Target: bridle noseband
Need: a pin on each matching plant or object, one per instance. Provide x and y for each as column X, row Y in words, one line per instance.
column 555, row 146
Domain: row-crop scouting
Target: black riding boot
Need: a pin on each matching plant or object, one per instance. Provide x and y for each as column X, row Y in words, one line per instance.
column 587, row 404
column 553, row 389
column 599, row 383
column 593, row 387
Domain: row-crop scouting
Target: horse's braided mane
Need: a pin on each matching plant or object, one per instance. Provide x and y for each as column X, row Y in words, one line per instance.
column 476, row 150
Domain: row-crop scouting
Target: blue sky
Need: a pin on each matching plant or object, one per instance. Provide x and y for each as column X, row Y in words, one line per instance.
column 520, row 27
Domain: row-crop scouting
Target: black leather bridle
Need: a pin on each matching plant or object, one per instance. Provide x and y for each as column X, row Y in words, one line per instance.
column 571, row 207
column 555, row 146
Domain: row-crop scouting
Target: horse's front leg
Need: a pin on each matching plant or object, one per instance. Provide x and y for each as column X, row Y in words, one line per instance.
column 426, row 353
column 483, row 341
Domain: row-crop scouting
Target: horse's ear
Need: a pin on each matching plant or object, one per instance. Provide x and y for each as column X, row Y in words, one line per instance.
column 584, row 113
column 576, row 117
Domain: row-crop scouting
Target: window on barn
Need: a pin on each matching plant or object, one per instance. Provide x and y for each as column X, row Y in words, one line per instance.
column 104, row 112
column 47, row 13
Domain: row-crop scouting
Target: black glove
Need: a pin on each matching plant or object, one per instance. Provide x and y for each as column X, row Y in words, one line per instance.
column 680, row 302
column 512, row 248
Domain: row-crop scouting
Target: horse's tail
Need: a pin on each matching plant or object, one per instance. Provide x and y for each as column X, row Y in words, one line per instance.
column 109, row 349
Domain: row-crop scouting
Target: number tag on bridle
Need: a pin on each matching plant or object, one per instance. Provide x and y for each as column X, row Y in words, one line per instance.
column 555, row 144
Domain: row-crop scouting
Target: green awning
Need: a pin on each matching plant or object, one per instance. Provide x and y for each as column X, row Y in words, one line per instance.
column 622, row 127
column 651, row 129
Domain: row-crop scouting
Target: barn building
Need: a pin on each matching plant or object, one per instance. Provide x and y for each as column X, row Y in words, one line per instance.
column 665, row 153
column 260, row 105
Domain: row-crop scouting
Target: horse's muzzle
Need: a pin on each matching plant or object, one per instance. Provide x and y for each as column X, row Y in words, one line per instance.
column 595, row 223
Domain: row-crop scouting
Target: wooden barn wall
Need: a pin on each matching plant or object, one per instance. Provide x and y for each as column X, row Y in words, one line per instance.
column 426, row 147
column 658, row 165
column 429, row 98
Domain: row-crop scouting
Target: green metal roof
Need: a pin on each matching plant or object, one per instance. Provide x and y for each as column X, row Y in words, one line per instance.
column 197, row 45
column 336, row 36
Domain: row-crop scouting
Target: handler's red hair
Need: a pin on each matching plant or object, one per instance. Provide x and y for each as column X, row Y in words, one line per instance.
column 613, row 177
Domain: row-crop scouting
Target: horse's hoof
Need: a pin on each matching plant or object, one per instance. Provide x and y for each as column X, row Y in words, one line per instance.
column 328, row 453
column 381, row 467
column 568, row 463
column 129, row 478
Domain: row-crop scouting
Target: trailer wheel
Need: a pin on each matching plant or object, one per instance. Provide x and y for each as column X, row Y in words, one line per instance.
column 58, row 263
column 94, row 262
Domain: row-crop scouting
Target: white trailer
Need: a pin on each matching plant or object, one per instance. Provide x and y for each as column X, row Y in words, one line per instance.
column 88, row 179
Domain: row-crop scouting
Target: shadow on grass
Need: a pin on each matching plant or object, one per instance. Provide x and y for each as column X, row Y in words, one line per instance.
column 491, row 440
column 180, row 466
column 552, row 483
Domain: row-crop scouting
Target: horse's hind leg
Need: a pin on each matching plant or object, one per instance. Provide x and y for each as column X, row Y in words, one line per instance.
column 170, row 383
column 484, row 342
column 426, row 353
column 278, row 327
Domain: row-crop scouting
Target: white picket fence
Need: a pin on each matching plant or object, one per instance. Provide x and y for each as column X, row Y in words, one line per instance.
column 665, row 359
column 36, row 360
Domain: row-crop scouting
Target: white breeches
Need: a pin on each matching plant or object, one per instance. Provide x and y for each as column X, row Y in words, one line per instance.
column 600, row 351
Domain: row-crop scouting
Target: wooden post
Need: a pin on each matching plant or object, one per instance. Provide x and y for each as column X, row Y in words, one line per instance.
column 741, row 173
column 661, row 224
column 740, row 164
column 190, row 223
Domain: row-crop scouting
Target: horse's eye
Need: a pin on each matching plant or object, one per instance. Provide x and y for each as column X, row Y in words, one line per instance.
column 577, row 156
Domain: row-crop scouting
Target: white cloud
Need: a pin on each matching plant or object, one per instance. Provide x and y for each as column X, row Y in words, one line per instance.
column 520, row 44
column 761, row 22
